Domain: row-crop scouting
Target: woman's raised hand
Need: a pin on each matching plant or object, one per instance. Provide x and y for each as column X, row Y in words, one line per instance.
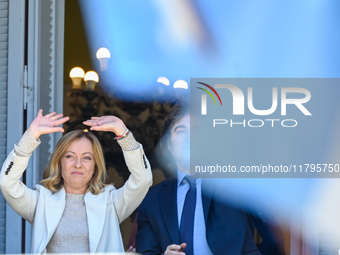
column 47, row 124
column 107, row 123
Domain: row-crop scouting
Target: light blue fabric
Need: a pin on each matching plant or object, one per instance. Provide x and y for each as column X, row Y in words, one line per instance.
column 200, row 240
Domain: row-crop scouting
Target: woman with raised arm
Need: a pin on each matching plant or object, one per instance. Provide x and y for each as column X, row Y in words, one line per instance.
column 72, row 210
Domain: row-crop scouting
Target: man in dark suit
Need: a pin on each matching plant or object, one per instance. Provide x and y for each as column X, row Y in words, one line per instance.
column 184, row 215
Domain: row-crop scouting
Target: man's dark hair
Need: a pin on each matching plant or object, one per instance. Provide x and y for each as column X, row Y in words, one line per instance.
column 178, row 111
column 164, row 156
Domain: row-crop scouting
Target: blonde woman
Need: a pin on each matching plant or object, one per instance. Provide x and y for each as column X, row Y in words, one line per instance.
column 72, row 210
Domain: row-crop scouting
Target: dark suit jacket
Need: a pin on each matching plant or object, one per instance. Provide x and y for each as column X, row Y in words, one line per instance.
column 228, row 230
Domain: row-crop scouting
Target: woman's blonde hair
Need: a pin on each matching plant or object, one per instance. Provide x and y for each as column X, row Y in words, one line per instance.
column 52, row 178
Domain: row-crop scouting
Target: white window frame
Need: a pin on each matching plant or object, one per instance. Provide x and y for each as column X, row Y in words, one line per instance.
column 24, row 89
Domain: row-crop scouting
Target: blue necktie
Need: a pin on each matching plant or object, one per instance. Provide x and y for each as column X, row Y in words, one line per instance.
column 188, row 215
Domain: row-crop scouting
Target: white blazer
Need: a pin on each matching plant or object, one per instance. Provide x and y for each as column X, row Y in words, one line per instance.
column 43, row 209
